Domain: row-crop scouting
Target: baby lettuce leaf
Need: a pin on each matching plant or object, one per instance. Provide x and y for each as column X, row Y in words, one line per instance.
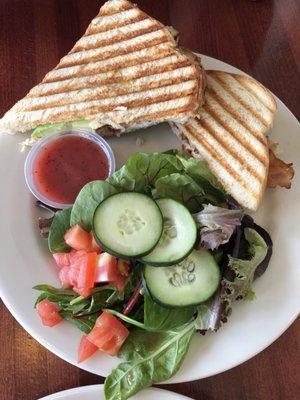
column 209, row 314
column 237, row 280
column 87, row 201
column 217, row 225
column 200, row 172
column 142, row 170
column 122, row 180
column 58, row 228
column 150, row 358
column 160, row 318
column 181, row 188
column 241, row 286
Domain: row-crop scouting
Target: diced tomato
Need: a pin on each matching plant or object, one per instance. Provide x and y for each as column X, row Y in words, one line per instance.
column 77, row 258
column 123, row 267
column 108, row 334
column 64, row 278
column 120, row 283
column 82, row 273
column 78, row 238
column 107, row 270
column 73, row 274
column 48, row 312
column 94, row 246
column 62, row 259
column 86, row 277
column 86, row 349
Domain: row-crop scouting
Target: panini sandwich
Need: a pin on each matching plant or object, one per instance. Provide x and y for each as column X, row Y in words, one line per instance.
column 229, row 133
column 125, row 72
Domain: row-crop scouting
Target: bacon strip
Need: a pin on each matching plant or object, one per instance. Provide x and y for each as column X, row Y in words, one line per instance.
column 280, row 173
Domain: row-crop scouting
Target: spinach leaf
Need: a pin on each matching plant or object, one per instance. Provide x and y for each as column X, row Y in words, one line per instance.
column 85, row 324
column 150, row 358
column 58, row 228
column 61, row 296
column 181, row 188
column 87, row 200
column 161, row 318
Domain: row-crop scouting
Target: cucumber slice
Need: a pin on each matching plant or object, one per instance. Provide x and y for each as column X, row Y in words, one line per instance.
column 128, row 225
column 190, row 282
column 178, row 238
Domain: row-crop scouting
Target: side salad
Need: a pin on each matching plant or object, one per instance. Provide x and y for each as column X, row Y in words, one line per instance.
column 146, row 259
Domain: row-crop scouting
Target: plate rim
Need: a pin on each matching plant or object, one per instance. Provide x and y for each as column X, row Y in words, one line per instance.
column 94, row 388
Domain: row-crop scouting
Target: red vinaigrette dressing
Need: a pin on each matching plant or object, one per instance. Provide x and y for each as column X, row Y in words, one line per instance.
column 65, row 165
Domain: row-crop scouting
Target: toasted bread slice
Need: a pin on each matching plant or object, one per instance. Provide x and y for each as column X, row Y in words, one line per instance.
column 125, row 72
column 229, row 134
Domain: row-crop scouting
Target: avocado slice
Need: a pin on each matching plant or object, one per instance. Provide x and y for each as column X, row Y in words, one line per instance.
column 42, row 130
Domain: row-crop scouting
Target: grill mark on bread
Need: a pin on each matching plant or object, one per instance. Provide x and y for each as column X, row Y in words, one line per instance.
column 110, row 80
column 116, row 39
column 95, row 29
column 234, row 114
column 251, row 149
column 230, row 150
column 168, row 113
column 136, row 114
column 117, row 52
column 220, row 159
column 114, row 95
column 243, row 82
column 94, row 68
column 250, row 109
column 128, row 104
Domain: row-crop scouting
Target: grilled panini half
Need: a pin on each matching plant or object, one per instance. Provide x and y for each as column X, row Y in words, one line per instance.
column 125, row 72
column 229, row 134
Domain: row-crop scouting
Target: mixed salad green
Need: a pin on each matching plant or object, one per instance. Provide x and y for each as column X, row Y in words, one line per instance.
column 156, row 276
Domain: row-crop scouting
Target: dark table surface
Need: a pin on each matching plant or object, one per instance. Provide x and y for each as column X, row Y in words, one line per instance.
column 260, row 37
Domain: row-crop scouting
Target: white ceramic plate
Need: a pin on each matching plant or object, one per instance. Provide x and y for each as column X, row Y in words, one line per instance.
column 253, row 326
column 95, row 392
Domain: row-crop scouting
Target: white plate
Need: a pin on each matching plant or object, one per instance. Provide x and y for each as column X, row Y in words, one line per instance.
column 95, row 392
column 253, row 326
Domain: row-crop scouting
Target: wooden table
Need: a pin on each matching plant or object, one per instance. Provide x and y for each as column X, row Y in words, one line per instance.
column 260, row 37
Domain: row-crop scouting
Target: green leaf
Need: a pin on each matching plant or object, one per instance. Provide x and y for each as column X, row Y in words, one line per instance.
column 161, row 318
column 85, row 324
column 241, row 286
column 200, row 172
column 181, row 188
column 62, row 297
column 122, row 180
column 58, row 228
column 209, row 314
column 151, row 358
column 142, row 170
column 52, row 290
column 90, row 196
column 96, row 302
